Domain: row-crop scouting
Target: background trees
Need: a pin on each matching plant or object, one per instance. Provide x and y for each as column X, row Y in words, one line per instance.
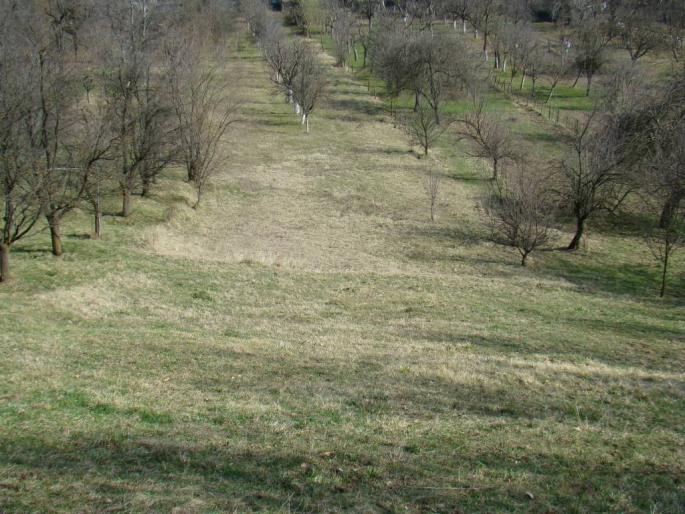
column 202, row 108
column 82, row 94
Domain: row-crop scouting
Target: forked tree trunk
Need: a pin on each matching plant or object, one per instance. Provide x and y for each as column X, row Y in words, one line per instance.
column 4, row 262
column 578, row 236
column 54, row 223
column 524, row 256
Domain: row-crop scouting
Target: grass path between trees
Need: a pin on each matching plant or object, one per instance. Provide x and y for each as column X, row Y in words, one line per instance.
column 308, row 341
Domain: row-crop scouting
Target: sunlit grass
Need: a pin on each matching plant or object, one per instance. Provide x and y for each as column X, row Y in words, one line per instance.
column 307, row 340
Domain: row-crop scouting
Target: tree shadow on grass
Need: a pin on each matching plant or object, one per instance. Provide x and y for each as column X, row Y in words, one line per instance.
column 618, row 278
column 362, row 106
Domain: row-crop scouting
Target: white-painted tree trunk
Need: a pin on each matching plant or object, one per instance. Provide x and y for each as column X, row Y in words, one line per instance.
column 464, row 25
column 298, row 109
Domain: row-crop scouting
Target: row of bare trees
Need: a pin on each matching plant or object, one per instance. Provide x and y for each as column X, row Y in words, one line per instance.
column 296, row 70
column 626, row 152
column 101, row 97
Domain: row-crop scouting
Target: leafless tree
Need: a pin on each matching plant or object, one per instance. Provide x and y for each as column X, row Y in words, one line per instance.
column 342, row 32
column 520, row 210
column 488, row 136
column 20, row 179
column 430, row 65
column 590, row 40
column 638, row 31
column 21, row 205
column 421, row 127
column 133, row 93
column 483, row 14
column 591, row 175
column 663, row 243
column 432, row 184
column 556, row 68
column 309, row 85
column 285, row 58
column 202, row 107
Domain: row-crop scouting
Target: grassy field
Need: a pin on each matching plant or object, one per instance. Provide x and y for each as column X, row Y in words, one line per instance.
column 308, row 341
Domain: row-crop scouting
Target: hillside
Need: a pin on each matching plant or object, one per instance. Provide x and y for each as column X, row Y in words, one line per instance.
column 309, row 341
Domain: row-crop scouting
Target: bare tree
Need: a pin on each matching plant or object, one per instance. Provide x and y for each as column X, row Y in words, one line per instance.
column 638, row 32
column 556, row 68
column 663, row 243
column 133, row 94
column 285, row 58
column 91, row 153
column 421, row 127
column 20, row 181
column 520, row 211
column 342, row 32
column 309, row 85
column 432, row 185
column 482, row 15
column 591, row 176
column 488, row 136
column 590, row 41
column 202, row 107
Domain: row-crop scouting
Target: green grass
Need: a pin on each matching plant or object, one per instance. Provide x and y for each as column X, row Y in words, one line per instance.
column 309, row 341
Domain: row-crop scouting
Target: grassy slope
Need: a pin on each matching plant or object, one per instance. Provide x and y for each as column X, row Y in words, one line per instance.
column 308, row 341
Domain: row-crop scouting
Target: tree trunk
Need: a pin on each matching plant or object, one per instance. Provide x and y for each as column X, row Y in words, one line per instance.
column 670, row 208
column 495, row 171
column 575, row 82
column 523, row 259
column 98, row 223
column 589, row 85
column 147, row 187
column 662, row 291
column 54, row 222
column 4, row 262
column 580, row 230
column 126, row 206
column 551, row 92
column 199, row 197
